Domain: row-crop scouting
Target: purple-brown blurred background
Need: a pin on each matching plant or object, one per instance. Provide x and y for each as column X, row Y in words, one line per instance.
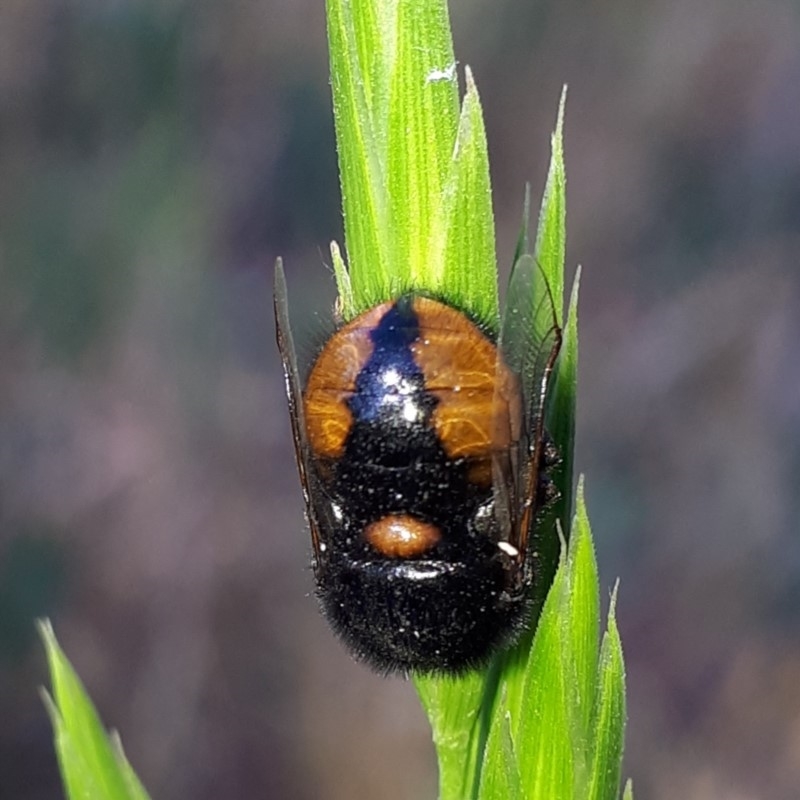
column 156, row 157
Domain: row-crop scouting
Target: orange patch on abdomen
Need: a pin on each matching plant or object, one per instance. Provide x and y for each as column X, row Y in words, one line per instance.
column 333, row 380
column 480, row 406
column 402, row 536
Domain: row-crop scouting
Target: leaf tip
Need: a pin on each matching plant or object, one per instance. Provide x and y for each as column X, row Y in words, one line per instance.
column 579, row 492
column 45, row 628
column 581, row 520
column 344, row 286
column 561, row 105
column 557, row 138
column 52, row 648
column 628, row 793
column 51, row 708
column 612, row 606
column 469, row 78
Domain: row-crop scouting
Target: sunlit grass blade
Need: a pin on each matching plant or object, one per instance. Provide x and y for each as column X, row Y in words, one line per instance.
column 413, row 161
column 582, row 621
column 422, row 125
column 562, row 408
column 541, row 724
column 550, row 247
column 357, row 50
column 554, row 700
column 523, row 238
column 608, row 732
column 136, row 790
column 550, row 733
column 500, row 777
column 468, row 260
column 91, row 766
column 537, row 316
column 457, row 710
column 347, row 306
column 628, row 793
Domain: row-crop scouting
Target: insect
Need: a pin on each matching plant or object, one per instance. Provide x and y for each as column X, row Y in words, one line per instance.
column 423, row 457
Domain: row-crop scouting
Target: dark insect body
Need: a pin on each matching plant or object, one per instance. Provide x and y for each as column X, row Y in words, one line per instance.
column 421, row 454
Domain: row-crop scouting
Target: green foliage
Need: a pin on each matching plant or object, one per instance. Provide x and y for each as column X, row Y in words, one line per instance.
column 549, row 721
column 546, row 719
column 414, row 166
column 92, row 764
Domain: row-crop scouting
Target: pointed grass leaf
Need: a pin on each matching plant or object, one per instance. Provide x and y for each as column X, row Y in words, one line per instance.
column 550, row 247
column 523, row 245
column 542, row 729
column 347, row 306
column 609, row 715
column 582, row 614
column 77, row 775
column 422, row 125
column 136, row 790
column 457, row 708
column 562, row 408
column 500, row 776
column 556, row 703
column 413, row 165
column 466, row 253
column 628, row 793
column 355, row 36
column 91, row 767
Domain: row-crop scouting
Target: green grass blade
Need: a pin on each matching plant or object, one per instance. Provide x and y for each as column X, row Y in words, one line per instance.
column 550, row 247
column 77, row 776
column 347, row 304
column 549, row 250
column 457, row 709
column 551, row 698
column 413, row 166
column 523, row 239
column 91, row 767
column 356, row 50
column 628, row 793
column 469, row 261
column 548, row 683
column 609, row 716
column 542, row 725
column 513, row 779
column 582, row 624
column 562, row 408
column 422, row 125
column 556, row 702
column 500, row 777
column 136, row 790
column 375, row 31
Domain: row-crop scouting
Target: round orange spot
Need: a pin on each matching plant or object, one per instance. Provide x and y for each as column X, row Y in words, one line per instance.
column 402, row 536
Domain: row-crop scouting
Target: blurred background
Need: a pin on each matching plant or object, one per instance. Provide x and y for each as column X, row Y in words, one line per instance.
column 156, row 157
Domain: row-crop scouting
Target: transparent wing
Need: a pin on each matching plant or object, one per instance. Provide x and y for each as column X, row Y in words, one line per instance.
column 308, row 479
column 530, row 340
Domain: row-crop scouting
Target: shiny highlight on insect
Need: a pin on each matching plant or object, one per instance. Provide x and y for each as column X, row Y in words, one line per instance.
column 423, row 459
